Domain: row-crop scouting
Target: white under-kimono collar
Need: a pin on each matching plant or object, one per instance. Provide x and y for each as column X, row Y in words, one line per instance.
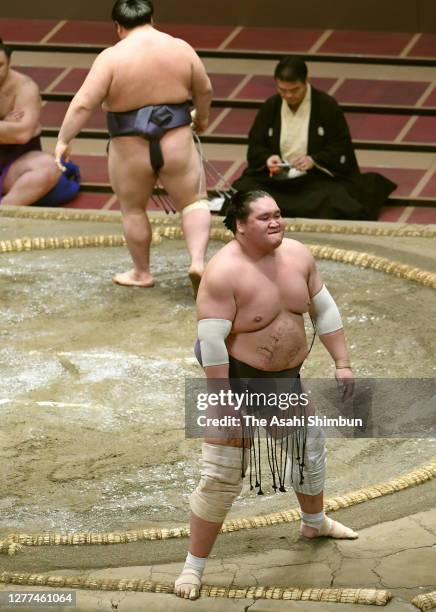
column 295, row 128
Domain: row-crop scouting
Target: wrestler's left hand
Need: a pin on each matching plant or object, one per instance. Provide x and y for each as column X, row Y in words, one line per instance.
column 62, row 151
column 345, row 380
column 303, row 163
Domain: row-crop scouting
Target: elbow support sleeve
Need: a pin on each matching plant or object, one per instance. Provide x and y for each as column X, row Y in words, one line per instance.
column 326, row 314
column 211, row 334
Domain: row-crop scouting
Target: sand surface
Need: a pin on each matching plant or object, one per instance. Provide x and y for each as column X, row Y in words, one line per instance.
column 92, row 386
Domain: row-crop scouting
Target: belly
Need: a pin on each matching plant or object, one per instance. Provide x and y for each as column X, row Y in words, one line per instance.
column 280, row 345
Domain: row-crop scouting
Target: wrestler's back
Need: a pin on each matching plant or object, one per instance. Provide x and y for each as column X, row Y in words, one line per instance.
column 271, row 297
column 148, row 67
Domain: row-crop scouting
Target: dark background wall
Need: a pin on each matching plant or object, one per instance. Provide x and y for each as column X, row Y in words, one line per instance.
column 384, row 15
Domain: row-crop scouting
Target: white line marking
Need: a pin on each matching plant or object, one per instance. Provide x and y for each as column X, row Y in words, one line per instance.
column 321, row 40
column 53, row 31
column 410, row 44
column 230, row 37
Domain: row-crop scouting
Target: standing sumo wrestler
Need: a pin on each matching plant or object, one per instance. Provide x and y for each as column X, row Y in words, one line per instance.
column 250, row 308
column 144, row 82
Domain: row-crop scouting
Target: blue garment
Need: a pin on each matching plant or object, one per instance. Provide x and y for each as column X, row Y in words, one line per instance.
column 65, row 189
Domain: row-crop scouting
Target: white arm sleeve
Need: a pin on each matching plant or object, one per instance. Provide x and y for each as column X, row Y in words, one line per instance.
column 326, row 314
column 211, row 334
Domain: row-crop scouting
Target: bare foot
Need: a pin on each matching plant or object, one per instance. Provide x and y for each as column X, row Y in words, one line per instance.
column 133, row 279
column 195, row 275
column 329, row 529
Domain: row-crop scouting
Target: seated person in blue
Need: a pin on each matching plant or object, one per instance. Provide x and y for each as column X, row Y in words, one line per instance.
column 300, row 152
column 27, row 174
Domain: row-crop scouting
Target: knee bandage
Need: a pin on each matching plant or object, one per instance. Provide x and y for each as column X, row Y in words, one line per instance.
column 325, row 312
column 198, row 205
column 211, row 334
column 220, row 483
column 315, row 460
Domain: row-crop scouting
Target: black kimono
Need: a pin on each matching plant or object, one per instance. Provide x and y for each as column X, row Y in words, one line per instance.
column 347, row 195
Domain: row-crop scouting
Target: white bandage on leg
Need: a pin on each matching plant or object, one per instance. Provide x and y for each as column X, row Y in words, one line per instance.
column 315, row 460
column 220, row 483
column 188, row 584
column 321, row 525
column 313, row 520
column 198, row 205
column 335, row 529
column 211, row 334
column 325, row 312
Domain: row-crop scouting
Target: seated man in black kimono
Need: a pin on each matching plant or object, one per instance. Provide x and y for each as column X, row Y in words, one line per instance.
column 300, row 152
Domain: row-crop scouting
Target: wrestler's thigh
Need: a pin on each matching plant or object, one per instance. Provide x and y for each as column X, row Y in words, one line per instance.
column 31, row 161
column 130, row 172
column 182, row 175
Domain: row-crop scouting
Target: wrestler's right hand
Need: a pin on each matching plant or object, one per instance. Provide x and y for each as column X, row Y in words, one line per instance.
column 62, row 151
column 200, row 126
column 272, row 164
column 197, row 125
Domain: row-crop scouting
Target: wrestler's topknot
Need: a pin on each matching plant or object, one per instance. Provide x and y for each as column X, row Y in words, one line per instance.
column 132, row 13
column 239, row 207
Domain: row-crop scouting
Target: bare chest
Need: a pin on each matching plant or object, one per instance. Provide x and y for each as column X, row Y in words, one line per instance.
column 262, row 296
